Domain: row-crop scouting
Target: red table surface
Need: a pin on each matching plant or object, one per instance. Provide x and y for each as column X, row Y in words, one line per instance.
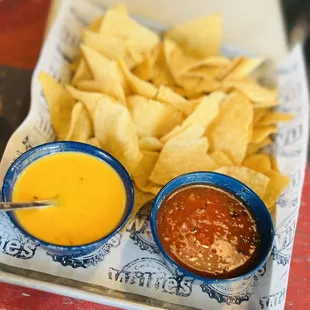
column 21, row 35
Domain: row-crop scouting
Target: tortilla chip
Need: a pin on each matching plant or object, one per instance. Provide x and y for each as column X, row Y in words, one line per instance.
column 212, row 62
column 111, row 47
column 257, row 181
column 220, row 158
column 203, row 115
column 206, row 110
column 89, row 85
column 196, row 85
column 266, row 104
column 118, row 24
column 229, row 132
column 177, row 62
column 82, row 73
column 151, row 117
column 117, row 133
column 102, row 68
column 81, row 128
column 161, row 72
column 60, row 104
column 137, row 85
column 168, row 96
column 255, row 92
column 261, row 133
column 258, row 162
column 95, row 26
column 200, row 37
column 148, row 143
column 275, row 117
column 276, row 186
column 259, row 114
column 143, row 170
column 144, row 70
column 89, row 99
column 244, row 68
column 205, row 72
column 229, row 68
column 180, row 156
column 274, row 164
column 94, row 142
column 255, row 147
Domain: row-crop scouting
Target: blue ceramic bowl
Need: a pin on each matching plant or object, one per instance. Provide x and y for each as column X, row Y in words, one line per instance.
column 241, row 192
column 56, row 147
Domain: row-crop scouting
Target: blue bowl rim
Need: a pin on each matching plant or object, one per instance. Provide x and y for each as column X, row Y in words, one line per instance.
column 73, row 147
column 153, row 223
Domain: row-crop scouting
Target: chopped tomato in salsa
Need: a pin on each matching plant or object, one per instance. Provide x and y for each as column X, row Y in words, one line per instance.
column 208, row 231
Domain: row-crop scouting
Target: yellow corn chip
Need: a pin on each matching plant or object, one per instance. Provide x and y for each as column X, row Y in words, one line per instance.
column 95, row 26
column 144, row 70
column 255, row 147
column 81, row 128
column 148, row 143
column 197, row 86
column 168, row 96
column 258, row 162
column 205, row 72
column 266, row 104
column 180, row 156
column 203, row 115
column 60, row 104
column 199, row 38
column 117, row 133
column 192, row 131
column 102, row 68
column 143, row 170
column 137, row 85
column 261, row 133
column 244, row 68
column 108, row 72
column 177, row 62
column 274, row 164
column 257, row 181
column 276, row 186
column 111, row 47
column 229, row 132
column 89, row 85
column 118, row 24
column 107, row 88
column 161, row 72
column 151, row 117
column 212, row 61
column 82, row 72
column 275, row 117
column 229, row 68
column 220, row 158
column 89, row 99
column 255, row 92
column 259, row 114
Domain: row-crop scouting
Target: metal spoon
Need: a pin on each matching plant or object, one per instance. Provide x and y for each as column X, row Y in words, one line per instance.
column 11, row 206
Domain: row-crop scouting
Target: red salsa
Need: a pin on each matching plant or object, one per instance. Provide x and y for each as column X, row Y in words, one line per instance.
column 208, row 231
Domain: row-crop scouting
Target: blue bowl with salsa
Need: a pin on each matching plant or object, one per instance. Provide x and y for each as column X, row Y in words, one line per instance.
column 211, row 227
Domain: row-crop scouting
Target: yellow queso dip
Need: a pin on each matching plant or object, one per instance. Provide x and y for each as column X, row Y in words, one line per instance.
column 90, row 193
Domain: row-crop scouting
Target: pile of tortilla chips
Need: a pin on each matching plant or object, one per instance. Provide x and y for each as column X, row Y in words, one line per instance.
column 168, row 105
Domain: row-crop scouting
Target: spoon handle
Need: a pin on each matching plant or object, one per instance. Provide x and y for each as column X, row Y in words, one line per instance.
column 11, row 206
